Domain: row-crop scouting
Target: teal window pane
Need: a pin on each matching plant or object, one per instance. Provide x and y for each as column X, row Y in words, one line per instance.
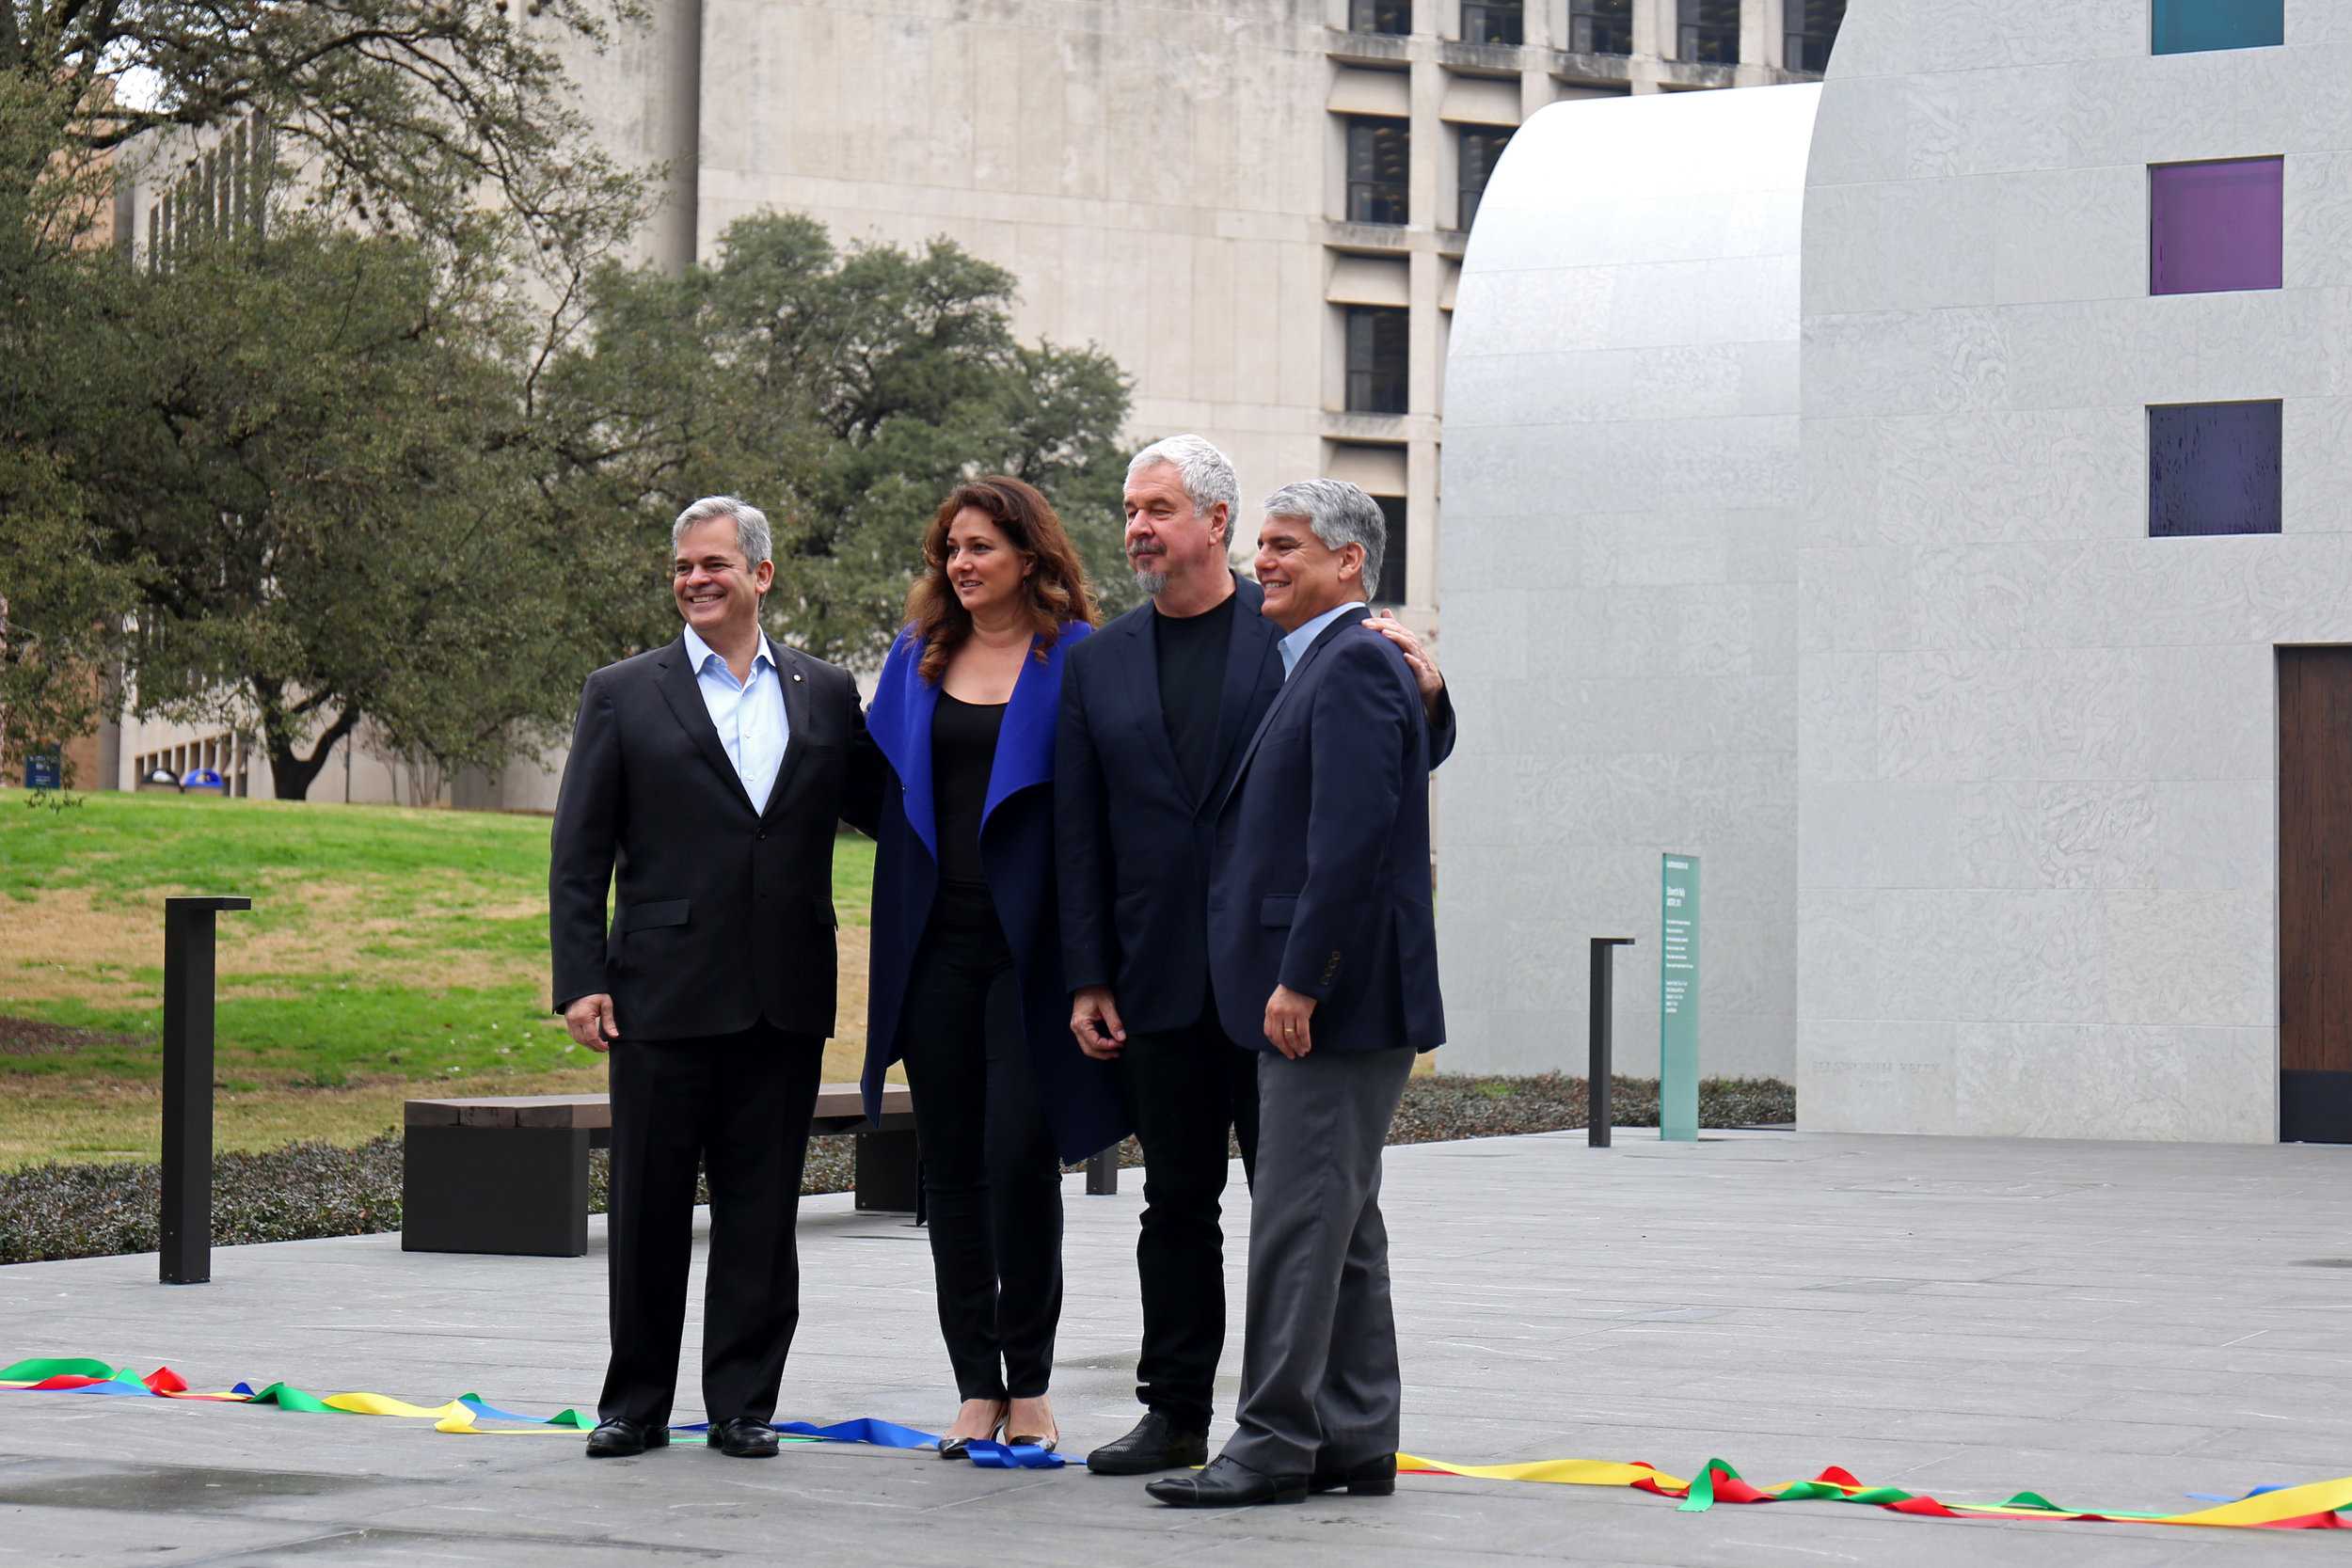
column 2192, row 26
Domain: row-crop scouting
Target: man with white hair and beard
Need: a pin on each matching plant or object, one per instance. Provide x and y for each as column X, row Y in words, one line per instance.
column 1156, row 708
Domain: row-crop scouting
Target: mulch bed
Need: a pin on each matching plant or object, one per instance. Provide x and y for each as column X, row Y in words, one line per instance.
column 306, row 1190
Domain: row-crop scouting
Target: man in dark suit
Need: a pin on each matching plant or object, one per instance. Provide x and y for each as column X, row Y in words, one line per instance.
column 711, row 771
column 1155, row 708
column 1323, row 947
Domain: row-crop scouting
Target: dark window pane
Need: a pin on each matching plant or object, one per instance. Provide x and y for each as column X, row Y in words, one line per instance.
column 1379, row 170
column 1390, row 587
column 1377, row 360
column 1710, row 33
column 1481, row 151
column 2216, row 227
column 1380, row 16
column 1601, row 26
column 1493, row 21
column 1812, row 27
column 2213, row 467
column 2192, row 26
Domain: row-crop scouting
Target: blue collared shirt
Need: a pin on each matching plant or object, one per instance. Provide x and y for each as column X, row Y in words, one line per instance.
column 1295, row 646
column 748, row 714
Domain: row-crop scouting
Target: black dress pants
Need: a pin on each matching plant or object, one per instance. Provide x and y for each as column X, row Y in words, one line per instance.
column 1184, row 1089
column 737, row 1105
column 991, row 1182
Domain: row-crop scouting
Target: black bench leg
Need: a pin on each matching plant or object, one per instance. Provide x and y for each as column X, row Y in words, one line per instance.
column 521, row 1189
column 889, row 1174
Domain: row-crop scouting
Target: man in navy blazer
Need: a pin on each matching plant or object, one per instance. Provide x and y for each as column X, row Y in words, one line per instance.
column 1323, row 948
column 1155, row 710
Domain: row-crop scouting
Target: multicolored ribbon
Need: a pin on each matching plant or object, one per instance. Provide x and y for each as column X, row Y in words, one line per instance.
column 466, row 1413
column 2314, row 1506
column 2309, row 1507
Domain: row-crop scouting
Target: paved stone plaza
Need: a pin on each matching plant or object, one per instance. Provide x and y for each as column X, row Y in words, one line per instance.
column 2111, row 1324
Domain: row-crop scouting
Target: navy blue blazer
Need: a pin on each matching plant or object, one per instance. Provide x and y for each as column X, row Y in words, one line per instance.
column 1134, row 842
column 1079, row 1096
column 1320, row 877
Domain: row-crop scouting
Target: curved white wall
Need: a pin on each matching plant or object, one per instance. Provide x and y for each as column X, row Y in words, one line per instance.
column 1618, row 575
column 2036, row 747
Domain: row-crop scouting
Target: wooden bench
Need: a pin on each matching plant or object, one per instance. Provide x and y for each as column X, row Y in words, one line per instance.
column 510, row 1174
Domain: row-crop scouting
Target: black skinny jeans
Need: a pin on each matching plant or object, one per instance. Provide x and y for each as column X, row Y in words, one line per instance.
column 990, row 1175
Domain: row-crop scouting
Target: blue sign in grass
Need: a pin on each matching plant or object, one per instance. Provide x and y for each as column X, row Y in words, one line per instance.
column 44, row 771
column 1678, row 1000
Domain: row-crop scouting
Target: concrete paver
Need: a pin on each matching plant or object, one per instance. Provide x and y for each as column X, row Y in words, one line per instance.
column 2112, row 1324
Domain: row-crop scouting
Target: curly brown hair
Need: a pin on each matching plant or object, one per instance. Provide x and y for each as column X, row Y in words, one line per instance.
column 1058, row 589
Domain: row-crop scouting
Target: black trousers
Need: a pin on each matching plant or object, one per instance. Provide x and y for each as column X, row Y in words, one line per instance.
column 1184, row 1089
column 991, row 1181
column 737, row 1105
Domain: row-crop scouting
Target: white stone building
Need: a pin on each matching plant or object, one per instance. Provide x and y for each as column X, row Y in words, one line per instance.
column 1620, row 578
column 2073, row 582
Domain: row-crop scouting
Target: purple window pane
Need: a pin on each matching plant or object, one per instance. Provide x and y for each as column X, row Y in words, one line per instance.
column 2213, row 467
column 2214, row 227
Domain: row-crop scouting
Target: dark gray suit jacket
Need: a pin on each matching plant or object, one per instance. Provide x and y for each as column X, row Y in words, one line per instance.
column 724, row 915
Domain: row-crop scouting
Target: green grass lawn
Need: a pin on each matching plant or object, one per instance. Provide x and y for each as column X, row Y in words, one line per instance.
column 385, row 946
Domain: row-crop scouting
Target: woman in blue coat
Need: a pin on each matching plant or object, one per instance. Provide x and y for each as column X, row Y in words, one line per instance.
column 967, row 981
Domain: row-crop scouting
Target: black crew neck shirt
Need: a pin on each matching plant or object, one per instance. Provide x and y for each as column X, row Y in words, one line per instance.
column 964, row 753
column 1193, row 653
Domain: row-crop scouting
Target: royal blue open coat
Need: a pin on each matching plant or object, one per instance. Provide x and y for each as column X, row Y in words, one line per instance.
column 1078, row 1095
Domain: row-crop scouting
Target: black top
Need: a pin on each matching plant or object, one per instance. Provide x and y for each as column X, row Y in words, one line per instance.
column 1192, row 652
column 964, row 751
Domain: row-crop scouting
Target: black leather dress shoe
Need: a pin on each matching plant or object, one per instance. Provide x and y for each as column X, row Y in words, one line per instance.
column 1155, row 1444
column 744, row 1438
column 624, row 1439
column 1374, row 1478
column 1226, row 1483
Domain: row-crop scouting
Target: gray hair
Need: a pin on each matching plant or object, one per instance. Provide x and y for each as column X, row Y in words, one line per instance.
column 1341, row 514
column 751, row 525
column 1206, row 473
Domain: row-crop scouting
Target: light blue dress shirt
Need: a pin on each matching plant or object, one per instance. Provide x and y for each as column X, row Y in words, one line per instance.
column 1295, row 646
column 748, row 714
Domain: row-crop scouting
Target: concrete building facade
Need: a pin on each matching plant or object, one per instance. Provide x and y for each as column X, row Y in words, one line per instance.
column 1259, row 207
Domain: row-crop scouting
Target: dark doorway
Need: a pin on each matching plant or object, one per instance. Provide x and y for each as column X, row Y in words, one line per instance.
column 2315, row 896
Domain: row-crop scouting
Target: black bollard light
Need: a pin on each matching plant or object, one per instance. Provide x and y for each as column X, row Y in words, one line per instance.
column 187, row 1218
column 1598, row 1075
column 1103, row 1174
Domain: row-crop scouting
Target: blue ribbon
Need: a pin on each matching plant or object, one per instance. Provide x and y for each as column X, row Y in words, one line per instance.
column 890, row 1434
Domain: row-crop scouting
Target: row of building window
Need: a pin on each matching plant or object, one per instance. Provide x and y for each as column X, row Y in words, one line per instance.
column 2214, row 467
column 1706, row 31
column 224, row 191
column 1380, row 163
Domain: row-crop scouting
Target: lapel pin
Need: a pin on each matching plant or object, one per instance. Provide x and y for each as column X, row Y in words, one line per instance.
column 796, row 675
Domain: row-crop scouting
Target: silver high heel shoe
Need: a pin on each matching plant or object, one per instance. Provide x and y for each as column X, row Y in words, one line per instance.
column 956, row 1447
column 1048, row 1442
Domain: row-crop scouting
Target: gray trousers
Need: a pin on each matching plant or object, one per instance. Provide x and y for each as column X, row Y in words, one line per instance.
column 1319, row 1382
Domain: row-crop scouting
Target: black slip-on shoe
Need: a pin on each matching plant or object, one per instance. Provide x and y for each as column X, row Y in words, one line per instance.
column 1155, row 1444
column 1226, row 1483
column 620, row 1438
column 744, row 1438
column 1372, row 1478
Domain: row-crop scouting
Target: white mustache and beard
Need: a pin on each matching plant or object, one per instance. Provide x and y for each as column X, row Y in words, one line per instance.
column 1150, row 567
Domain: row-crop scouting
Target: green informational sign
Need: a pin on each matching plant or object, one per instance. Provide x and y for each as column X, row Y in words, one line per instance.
column 1678, row 1000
